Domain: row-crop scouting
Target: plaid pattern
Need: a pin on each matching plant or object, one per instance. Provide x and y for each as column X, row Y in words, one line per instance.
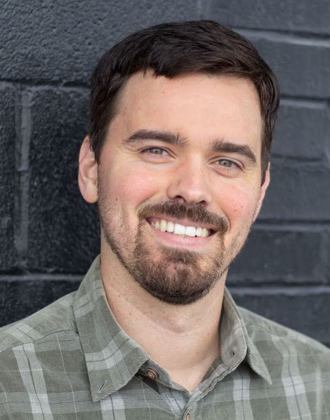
column 72, row 360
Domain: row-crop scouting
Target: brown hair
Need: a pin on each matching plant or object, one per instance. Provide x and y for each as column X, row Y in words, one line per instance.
column 173, row 49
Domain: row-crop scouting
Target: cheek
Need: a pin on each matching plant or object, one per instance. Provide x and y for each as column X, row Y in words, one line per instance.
column 131, row 187
column 240, row 205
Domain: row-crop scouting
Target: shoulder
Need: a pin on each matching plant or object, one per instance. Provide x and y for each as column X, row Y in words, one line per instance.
column 54, row 319
column 277, row 341
column 41, row 355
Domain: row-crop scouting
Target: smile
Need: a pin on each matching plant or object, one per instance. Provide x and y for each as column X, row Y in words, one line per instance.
column 181, row 230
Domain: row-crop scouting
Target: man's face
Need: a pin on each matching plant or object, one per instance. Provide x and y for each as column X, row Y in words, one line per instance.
column 179, row 181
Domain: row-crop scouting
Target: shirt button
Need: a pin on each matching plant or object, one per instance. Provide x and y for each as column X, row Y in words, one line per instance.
column 187, row 416
column 152, row 374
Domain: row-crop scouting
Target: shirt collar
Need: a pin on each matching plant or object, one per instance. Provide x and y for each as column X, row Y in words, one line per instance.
column 113, row 358
column 235, row 342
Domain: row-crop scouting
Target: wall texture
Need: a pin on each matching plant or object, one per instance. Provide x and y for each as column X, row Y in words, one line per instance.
column 49, row 236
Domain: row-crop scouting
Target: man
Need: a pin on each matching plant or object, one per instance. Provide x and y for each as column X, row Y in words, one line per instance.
column 177, row 158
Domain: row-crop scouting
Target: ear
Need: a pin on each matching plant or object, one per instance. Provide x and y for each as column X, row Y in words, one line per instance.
column 263, row 190
column 87, row 176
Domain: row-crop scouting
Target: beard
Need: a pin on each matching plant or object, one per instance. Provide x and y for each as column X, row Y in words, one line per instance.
column 176, row 276
column 172, row 275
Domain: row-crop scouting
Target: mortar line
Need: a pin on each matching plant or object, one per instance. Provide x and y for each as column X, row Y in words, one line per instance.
column 199, row 9
column 289, row 37
column 261, row 290
column 289, row 226
column 34, row 83
column 285, row 221
column 304, row 101
column 40, row 277
column 23, row 137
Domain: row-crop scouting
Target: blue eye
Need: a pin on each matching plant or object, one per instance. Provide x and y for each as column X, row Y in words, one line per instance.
column 226, row 163
column 155, row 151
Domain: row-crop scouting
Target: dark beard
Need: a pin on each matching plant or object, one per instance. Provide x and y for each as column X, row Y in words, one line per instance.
column 175, row 276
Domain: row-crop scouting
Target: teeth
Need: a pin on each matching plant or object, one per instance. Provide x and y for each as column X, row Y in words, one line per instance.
column 190, row 231
column 163, row 225
column 178, row 229
column 170, row 227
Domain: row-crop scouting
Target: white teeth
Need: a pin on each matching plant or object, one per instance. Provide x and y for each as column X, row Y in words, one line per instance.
column 178, row 229
column 190, row 231
column 163, row 225
column 170, row 227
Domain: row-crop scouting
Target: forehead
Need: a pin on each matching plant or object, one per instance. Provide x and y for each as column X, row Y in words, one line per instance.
column 196, row 106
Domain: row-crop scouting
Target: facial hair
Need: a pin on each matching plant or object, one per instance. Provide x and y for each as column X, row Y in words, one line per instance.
column 172, row 275
column 178, row 276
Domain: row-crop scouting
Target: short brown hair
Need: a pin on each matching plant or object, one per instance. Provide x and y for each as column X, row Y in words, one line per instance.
column 173, row 49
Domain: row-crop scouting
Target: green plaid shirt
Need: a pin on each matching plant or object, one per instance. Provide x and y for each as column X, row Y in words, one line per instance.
column 72, row 360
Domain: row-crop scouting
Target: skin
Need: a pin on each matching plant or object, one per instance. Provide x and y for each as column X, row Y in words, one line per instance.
column 207, row 113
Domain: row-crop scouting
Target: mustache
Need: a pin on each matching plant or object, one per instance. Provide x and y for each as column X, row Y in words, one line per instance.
column 195, row 213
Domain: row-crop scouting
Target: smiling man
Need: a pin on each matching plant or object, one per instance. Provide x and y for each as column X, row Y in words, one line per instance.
column 177, row 159
column 178, row 184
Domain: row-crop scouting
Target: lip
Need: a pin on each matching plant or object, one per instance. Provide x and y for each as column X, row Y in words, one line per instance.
column 180, row 241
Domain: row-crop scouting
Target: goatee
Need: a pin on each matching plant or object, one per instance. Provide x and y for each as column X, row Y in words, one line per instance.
column 172, row 275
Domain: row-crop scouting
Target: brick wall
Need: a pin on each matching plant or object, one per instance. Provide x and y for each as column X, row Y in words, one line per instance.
column 49, row 236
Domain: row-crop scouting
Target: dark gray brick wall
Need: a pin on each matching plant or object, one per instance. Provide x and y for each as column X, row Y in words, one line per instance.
column 49, row 235
column 8, row 253
column 48, row 41
column 57, row 212
column 301, row 63
column 298, row 191
column 287, row 255
column 282, row 15
column 303, row 130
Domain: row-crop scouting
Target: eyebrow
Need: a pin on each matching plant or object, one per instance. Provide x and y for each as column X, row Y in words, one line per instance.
column 228, row 147
column 219, row 146
column 164, row 136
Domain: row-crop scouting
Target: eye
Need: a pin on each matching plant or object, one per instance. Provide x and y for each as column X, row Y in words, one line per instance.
column 155, row 151
column 227, row 163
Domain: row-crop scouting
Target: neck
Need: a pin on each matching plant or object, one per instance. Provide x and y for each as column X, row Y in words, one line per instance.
column 183, row 339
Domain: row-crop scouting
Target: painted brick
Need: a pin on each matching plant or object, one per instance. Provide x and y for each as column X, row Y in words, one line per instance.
column 62, row 40
column 297, row 192
column 302, row 130
column 63, row 231
column 7, row 178
column 282, row 255
column 303, row 309
column 21, row 298
column 288, row 15
column 302, row 65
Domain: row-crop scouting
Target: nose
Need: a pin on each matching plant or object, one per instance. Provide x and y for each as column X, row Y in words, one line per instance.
column 190, row 183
